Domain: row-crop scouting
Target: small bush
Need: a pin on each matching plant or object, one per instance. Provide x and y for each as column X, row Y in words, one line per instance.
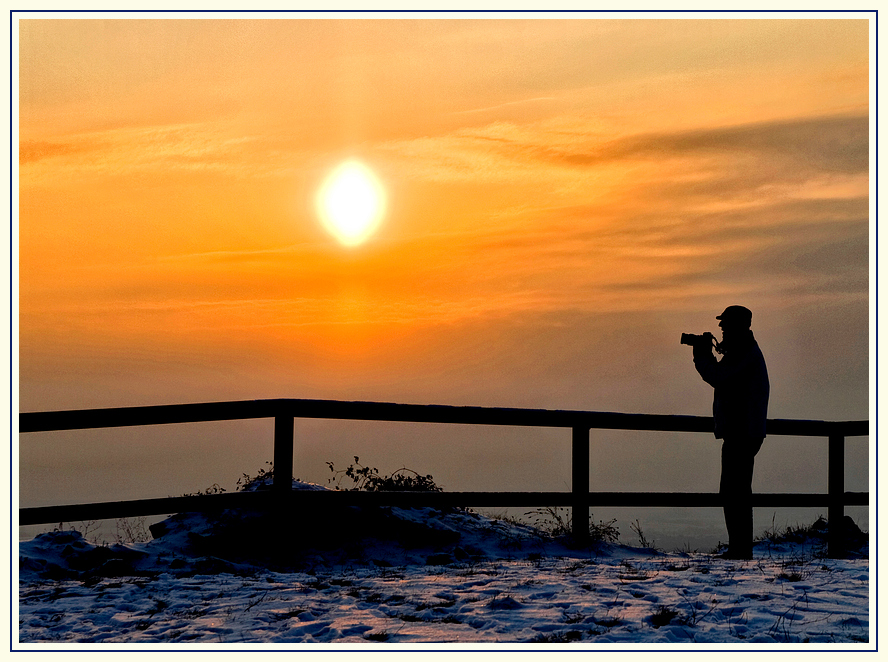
column 642, row 539
column 796, row 575
column 367, row 479
column 212, row 489
column 263, row 476
column 132, row 529
column 792, row 534
column 663, row 616
column 554, row 524
column 558, row 637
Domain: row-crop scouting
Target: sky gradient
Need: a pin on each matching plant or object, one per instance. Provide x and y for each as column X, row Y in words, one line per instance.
column 565, row 198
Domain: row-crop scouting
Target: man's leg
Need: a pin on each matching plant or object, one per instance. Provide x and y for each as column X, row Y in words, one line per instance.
column 738, row 457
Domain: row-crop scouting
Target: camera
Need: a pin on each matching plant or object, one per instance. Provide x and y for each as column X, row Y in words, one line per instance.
column 693, row 339
column 703, row 340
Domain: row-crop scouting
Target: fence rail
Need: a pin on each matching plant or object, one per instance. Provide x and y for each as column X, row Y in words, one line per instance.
column 579, row 499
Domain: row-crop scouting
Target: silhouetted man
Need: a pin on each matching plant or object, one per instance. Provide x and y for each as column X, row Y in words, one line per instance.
column 740, row 409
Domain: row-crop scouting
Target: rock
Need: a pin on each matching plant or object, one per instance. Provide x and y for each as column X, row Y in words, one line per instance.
column 210, row 565
column 199, row 542
column 159, row 529
column 56, row 572
column 62, row 537
column 115, row 568
column 850, row 529
column 119, row 556
column 853, row 538
column 31, row 565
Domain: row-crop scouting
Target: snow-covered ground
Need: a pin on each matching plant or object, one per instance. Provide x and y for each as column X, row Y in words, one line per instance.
column 425, row 578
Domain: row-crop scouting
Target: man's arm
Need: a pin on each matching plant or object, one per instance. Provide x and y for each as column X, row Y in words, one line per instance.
column 717, row 373
column 706, row 364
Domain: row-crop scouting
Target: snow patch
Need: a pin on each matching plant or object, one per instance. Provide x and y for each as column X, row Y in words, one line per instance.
column 419, row 575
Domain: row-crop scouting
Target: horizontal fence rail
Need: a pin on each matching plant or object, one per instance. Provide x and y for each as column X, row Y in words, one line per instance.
column 313, row 499
column 579, row 499
column 81, row 419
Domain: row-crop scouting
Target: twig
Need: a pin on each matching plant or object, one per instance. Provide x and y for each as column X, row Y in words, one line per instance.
column 255, row 602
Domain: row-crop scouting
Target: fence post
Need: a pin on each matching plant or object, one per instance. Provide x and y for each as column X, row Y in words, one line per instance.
column 836, row 507
column 283, row 453
column 579, row 484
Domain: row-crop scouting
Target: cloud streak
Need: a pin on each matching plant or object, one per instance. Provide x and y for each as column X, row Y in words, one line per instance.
column 831, row 144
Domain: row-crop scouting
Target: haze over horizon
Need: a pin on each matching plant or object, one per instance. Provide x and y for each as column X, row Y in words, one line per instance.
column 564, row 198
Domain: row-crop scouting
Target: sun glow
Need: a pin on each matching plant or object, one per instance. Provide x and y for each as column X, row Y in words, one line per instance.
column 351, row 203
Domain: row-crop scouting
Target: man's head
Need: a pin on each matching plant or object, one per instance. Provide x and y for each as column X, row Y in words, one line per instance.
column 734, row 322
column 735, row 317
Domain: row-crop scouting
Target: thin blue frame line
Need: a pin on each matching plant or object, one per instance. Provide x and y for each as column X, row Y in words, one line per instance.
column 446, row 11
column 11, row 557
column 363, row 651
column 876, row 414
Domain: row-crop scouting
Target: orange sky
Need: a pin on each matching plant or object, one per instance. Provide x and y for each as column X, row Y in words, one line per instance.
column 565, row 198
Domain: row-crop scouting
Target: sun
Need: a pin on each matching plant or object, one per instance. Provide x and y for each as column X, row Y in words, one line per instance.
column 351, row 203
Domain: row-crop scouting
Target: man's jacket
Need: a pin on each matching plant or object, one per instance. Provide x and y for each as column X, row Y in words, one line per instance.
column 740, row 380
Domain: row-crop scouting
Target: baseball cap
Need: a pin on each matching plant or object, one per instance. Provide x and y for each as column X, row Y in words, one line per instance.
column 738, row 314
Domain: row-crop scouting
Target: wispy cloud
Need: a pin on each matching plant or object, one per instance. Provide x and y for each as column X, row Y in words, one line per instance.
column 36, row 150
column 209, row 146
column 498, row 150
column 508, row 104
column 584, row 222
column 824, row 143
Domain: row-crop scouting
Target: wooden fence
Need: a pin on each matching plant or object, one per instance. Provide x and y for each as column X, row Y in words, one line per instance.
column 579, row 499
